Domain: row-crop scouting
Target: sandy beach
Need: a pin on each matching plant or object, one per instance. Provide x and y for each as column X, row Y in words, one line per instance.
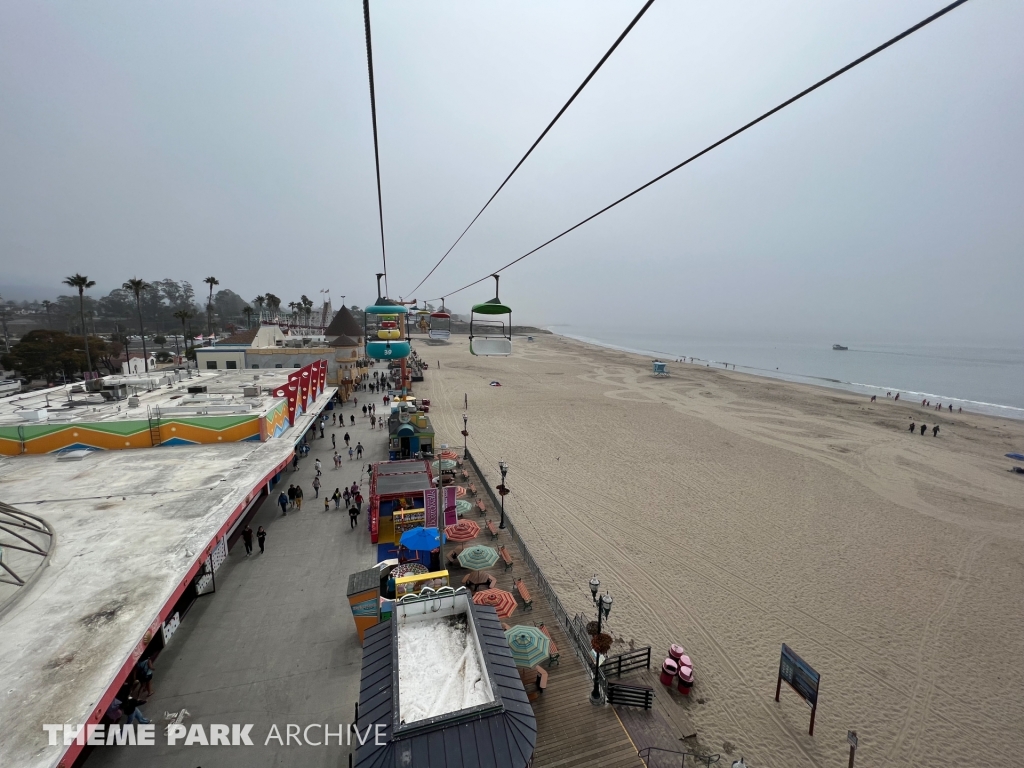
column 732, row 513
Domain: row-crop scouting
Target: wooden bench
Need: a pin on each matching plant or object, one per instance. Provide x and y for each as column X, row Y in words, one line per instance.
column 492, row 529
column 535, row 681
column 506, row 558
column 480, row 506
column 524, row 593
column 553, row 654
column 472, row 489
column 630, row 695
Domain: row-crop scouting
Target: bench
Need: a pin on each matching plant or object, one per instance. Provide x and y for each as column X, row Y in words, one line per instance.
column 507, row 559
column 631, row 695
column 492, row 529
column 472, row 489
column 480, row 506
column 524, row 593
column 535, row 681
column 553, row 654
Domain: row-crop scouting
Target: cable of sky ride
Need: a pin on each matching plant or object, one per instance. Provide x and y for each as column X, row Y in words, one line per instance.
column 906, row 33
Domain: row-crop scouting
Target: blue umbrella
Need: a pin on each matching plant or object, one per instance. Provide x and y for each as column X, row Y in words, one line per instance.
column 1017, row 456
column 420, row 538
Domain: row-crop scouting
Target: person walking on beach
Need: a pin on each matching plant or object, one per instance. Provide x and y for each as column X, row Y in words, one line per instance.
column 336, row 496
column 261, row 537
column 247, row 540
column 282, row 501
column 913, row 426
column 316, row 487
column 359, row 450
column 935, row 431
column 924, row 427
column 897, row 396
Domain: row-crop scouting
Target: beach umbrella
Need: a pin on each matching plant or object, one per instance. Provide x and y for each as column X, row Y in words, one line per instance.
column 529, row 645
column 504, row 603
column 460, row 491
column 449, row 454
column 442, row 465
column 478, row 557
column 462, row 506
column 420, row 538
column 464, row 530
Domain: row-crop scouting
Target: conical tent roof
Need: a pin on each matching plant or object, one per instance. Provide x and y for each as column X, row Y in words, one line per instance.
column 343, row 341
column 344, row 324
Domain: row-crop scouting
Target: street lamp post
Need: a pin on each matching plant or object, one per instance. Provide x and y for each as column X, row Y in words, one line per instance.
column 465, row 435
column 502, row 490
column 604, row 607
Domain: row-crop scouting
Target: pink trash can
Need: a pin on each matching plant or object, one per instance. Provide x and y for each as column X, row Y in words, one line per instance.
column 668, row 671
column 685, row 680
column 675, row 651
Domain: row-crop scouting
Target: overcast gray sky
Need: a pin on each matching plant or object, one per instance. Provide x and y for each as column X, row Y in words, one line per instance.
column 185, row 139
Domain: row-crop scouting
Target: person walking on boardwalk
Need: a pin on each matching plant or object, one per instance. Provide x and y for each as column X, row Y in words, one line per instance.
column 319, row 467
column 298, row 498
column 359, row 501
column 346, row 439
column 351, row 453
column 359, row 450
column 291, row 496
column 334, row 442
column 282, row 501
column 247, row 540
column 295, row 461
column 261, row 537
column 364, row 410
column 336, row 497
column 353, row 517
column 316, row 487
column 353, row 422
column 347, row 496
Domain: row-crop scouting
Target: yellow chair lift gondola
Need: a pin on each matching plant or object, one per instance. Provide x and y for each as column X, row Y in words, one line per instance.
column 489, row 336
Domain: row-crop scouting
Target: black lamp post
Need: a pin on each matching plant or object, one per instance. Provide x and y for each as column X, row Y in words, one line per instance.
column 465, row 434
column 604, row 607
column 502, row 490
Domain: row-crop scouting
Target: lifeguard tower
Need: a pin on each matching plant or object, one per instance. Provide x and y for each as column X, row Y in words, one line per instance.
column 660, row 369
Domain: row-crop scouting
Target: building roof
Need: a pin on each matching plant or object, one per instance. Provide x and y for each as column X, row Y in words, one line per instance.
column 343, row 341
column 241, row 338
column 344, row 324
column 504, row 738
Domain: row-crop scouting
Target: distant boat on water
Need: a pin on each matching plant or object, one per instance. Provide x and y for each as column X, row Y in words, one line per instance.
column 839, row 348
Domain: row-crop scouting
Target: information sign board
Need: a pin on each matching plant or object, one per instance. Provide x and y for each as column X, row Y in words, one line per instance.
column 801, row 677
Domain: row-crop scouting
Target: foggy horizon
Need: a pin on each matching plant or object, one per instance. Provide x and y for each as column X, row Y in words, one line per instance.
column 235, row 141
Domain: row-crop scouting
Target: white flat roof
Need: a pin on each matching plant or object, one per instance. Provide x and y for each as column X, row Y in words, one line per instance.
column 129, row 526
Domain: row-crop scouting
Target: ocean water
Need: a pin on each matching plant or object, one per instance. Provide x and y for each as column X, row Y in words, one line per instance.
column 980, row 379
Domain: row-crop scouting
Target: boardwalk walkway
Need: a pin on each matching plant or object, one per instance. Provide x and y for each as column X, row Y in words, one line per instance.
column 570, row 730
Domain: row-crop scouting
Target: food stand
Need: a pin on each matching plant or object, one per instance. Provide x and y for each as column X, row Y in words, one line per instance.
column 414, row 582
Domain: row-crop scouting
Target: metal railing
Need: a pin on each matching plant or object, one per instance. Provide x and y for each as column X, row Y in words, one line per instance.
column 672, row 757
column 628, row 661
column 575, row 628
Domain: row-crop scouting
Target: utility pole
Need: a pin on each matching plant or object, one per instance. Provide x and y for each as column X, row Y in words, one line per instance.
column 3, row 319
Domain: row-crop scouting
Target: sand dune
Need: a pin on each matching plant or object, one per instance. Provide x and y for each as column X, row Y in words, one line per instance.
column 732, row 513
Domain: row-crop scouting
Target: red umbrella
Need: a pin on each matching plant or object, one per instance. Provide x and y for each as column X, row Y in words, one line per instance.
column 459, row 491
column 504, row 602
column 448, row 455
column 464, row 530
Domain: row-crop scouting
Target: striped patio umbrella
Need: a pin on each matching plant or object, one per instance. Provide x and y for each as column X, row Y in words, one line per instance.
column 462, row 506
column 504, row 603
column 449, row 454
column 478, row 557
column 460, row 491
column 529, row 645
column 464, row 530
column 444, row 465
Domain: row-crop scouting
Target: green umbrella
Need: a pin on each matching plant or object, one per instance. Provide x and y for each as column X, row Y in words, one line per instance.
column 444, row 465
column 462, row 506
column 529, row 645
column 478, row 557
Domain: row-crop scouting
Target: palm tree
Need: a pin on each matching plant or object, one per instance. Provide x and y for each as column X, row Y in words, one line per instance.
column 210, row 281
column 247, row 311
column 259, row 301
column 137, row 286
column 46, row 305
column 274, row 303
column 184, row 315
column 81, row 282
